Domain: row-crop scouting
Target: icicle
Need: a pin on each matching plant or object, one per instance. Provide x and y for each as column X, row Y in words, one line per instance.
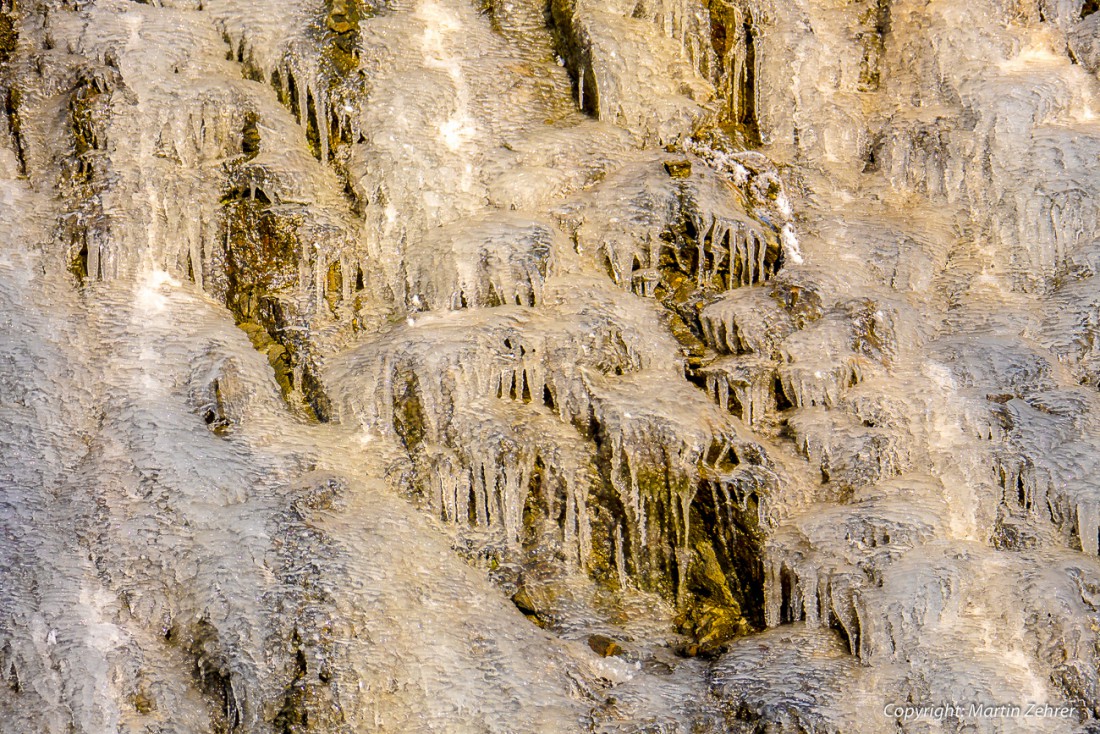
column 584, row 528
column 750, row 259
column 463, row 485
column 481, row 496
column 303, row 101
column 761, row 254
column 195, row 247
column 93, row 260
column 796, row 596
column 451, row 493
column 580, row 87
column 700, row 242
column 735, row 82
column 717, row 239
column 773, row 593
column 636, row 497
column 1088, row 526
column 823, row 599
column 568, row 536
column 737, row 261
column 746, row 404
column 620, row 560
column 863, row 651
column 512, row 495
column 346, row 281
column 731, row 247
column 439, row 493
column 845, row 614
column 321, row 111
column 710, row 334
column 683, row 554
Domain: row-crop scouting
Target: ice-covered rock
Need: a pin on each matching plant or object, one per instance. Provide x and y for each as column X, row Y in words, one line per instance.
column 431, row 365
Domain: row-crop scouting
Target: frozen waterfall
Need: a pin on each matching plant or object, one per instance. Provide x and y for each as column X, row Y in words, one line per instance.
column 557, row 366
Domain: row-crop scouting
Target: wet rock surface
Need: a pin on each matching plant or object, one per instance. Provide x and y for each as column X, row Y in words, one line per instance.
column 437, row 365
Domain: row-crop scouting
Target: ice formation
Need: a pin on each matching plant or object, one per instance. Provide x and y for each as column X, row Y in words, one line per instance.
column 573, row 366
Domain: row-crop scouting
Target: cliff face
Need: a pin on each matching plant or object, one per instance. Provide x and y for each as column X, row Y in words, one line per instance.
column 436, row 365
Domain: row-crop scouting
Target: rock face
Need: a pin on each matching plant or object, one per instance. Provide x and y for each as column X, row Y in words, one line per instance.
column 508, row 366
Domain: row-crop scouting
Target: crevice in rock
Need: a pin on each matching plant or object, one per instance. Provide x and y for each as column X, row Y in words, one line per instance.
column 78, row 266
column 408, row 414
column 9, row 32
column 211, row 678
column 572, row 50
column 293, row 716
column 746, row 115
column 873, row 43
column 15, row 128
column 733, row 39
column 250, row 135
column 261, row 274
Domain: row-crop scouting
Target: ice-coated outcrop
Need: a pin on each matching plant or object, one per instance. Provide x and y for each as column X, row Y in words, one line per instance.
column 509, row 366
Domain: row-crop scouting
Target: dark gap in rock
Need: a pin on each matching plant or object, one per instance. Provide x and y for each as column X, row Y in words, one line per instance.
column 261, row 267
column 293, row 715
column 79, row 264
column 277, row 85
column 871, row 156
column 250, row 135
column 292, row 96
column 493, row 299
column 736, row 408
column 569, row 48
column 408, row 413
column 746, row 116
column 874, row 46
column 11, row 110
column 525, row 393
column 334, row 285
column 851, row 636
column 786, row 585
column 316, row 399
column 214, row 682
column 782, row 402
column 472, row 500
column 313, row 134
column 548, row 398
column 9, row 36
column 727, row 570
column 13, row 676
column 590, row 105
column 536, row 508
